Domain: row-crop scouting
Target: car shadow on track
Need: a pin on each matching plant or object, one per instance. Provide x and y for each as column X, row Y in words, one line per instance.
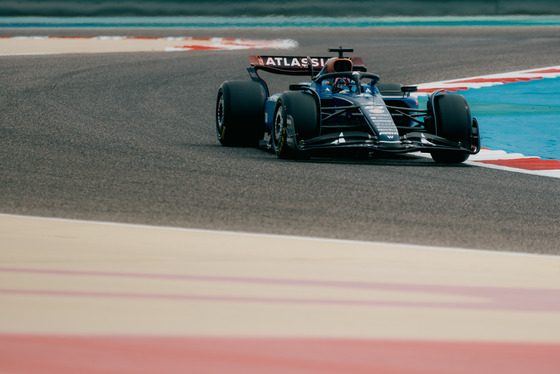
column 378, row 159
column 342, row 157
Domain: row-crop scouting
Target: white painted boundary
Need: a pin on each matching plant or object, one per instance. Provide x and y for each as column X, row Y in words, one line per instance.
column 489, row 80
column 490, row 155
column 481, row 81
column 28, row 45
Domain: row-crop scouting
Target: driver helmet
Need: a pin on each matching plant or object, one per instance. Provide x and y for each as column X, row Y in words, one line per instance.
column 344, row 84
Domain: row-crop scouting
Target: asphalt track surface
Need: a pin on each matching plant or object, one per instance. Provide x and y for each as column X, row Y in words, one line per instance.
column 130, row 137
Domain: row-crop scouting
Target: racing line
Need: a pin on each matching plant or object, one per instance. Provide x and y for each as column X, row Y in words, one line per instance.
column 494, row 158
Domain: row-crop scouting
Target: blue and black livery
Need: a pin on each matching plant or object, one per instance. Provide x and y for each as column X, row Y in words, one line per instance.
column 341, row 106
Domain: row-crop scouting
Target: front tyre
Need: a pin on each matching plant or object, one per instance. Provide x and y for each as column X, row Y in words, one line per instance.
column 453, row 122
column 240, row 113
column 296, row 118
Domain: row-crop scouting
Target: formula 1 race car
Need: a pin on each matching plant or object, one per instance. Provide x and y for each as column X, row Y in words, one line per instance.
column 335, row 109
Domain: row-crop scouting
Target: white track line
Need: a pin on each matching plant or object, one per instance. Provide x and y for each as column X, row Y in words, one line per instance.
column 489, row 80
column 496, row 159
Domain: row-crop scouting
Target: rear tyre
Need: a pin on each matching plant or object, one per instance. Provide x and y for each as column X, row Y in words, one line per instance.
column 296, row 118
column 453, row 122
column 240, row 113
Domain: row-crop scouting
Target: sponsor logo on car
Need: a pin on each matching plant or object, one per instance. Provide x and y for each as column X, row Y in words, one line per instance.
column 301, row 62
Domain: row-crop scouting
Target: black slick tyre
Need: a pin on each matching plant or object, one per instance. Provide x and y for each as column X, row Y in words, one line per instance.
column 296, row 118
column 453, row 121
column 240, row 113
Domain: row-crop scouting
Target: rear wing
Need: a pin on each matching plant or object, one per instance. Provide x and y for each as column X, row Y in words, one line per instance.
column 295, row 65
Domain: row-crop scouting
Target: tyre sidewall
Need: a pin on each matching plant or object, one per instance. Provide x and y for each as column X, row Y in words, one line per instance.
column 222, row 114
column 304, row 112
column 242, row 111
column 453, row 121
column 453, row 118
column 279, row 132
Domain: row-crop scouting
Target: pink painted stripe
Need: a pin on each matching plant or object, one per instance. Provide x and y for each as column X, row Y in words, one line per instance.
column 512, row 77
column 528, row 163
column 491, row 298
column 241, row 299
column 446, row 88
column 197, row 47
column 207, row 39
column 546, row 71
column 496, row 80
column 209, row 43
column 67, row 354
column 71, row 37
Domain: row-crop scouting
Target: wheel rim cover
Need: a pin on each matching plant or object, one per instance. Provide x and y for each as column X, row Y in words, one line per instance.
column 278, row 125
column 220, row 114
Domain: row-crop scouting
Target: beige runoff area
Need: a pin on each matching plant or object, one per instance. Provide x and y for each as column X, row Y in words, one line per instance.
column 58, row 45
column 246, row 285
column 54, row 46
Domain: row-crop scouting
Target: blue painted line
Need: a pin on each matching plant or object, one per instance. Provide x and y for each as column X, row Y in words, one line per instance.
column 278, row 22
